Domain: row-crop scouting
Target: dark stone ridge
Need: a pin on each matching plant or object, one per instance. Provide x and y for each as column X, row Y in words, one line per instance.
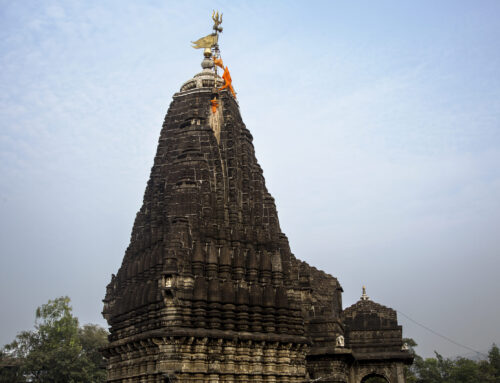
column 209, row 290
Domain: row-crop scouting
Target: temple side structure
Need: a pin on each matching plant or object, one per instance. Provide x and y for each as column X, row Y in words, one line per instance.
column 209, row 290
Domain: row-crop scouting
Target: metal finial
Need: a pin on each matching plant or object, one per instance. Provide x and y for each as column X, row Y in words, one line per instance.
column 212, row 39
column 217, row 21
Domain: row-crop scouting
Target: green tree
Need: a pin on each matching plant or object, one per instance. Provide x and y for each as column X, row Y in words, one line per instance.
column 432, row 370
column 10, row 369
column 93, row 338
column 58, row 351
column 465, row 371
column 489, row 370
column 459, row 370
column 494, row 362
column 410, row 371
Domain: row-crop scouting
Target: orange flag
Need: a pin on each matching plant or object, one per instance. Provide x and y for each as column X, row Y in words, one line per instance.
column 219, row 63
column 215, row 104
column 228, row 82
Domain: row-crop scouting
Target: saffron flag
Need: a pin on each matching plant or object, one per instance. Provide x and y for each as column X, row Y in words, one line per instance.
column 228, row 81
column 219, row 63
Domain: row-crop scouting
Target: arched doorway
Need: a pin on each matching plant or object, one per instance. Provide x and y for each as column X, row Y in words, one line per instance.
column 374, row 378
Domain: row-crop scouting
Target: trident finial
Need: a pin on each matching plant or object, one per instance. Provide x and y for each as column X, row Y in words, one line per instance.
column 217, row 21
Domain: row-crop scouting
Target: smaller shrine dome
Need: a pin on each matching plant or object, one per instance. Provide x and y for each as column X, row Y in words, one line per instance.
column 373, row 332
column 368, row 314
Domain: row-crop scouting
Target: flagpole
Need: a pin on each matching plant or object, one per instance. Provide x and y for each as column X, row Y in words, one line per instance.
column 216, row 52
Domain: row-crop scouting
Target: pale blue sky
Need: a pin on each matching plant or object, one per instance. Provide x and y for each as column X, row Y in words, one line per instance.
column 377, row 125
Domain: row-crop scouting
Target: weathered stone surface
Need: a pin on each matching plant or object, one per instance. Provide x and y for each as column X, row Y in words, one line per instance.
column 208, row 290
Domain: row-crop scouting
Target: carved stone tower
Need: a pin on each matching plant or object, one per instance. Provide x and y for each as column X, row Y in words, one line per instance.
column 209, row 290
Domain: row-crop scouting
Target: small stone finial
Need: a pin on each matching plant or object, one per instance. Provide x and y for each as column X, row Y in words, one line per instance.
column 340, row 342
column 364, row 297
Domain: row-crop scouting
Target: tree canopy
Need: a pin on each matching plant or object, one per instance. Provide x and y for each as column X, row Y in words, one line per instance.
column 58, row 350
column 458, row 370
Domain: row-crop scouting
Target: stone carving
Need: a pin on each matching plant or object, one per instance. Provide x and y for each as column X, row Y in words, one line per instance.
column 340, row 341
column 209, row 290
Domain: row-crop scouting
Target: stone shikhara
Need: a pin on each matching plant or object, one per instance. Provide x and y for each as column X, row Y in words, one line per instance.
column 209, row 290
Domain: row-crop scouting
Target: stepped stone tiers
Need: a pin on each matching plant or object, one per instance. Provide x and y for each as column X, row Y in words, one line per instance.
column 209, row 290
